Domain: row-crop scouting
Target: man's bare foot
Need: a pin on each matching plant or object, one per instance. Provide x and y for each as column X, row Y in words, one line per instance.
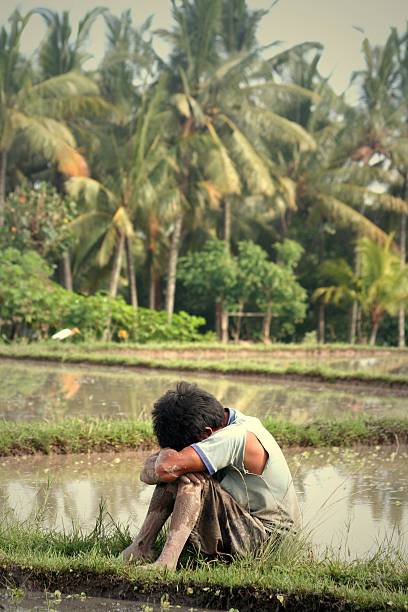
column 135, row 552
column 157, row 565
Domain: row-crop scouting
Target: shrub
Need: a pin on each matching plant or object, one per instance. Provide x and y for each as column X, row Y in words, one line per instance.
column 34, row 307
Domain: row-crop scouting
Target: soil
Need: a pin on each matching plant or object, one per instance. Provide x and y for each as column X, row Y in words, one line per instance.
column 248, row 353
column 244, row 599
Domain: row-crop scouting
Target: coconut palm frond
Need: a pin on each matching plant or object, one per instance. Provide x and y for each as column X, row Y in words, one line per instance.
column 107, row 247
column 254, row 168
column 343, row 214
column 283, row 88
column 52, row 139
column 68, row 84
column 220, row 168
column 122, row 222
column 288, row 189
column 362, row 195
column 89, row 188
column 284, row 129
column 73, row 107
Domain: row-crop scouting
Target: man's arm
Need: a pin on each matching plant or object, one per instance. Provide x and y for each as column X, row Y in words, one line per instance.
column 171, row 464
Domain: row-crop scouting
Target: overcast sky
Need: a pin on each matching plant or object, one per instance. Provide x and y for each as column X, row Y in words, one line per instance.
column 331, row 22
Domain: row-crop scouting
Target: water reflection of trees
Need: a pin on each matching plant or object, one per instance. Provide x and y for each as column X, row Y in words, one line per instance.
column 364, row 485
column 74, row 498
column 371, row 480
column 54, row 392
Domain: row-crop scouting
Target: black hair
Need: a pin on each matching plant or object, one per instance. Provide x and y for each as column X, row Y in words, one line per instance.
column 180, row 416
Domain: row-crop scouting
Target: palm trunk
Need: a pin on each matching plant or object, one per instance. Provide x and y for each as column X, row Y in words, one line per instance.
column 218, row 308
column 3, row 168
column 321, row 324
column 403, row 256
column 172, row 269
column 227, row 223
column 355, row 309
column 374, row 330
column 152, row 287
column 67, row 271
column 353, row 322
column 224, row 325
column 131, row 273
column 117, row 265
column 266, row 327
column 237, row 332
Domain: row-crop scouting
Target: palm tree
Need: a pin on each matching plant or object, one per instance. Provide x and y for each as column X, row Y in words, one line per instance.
column 381, row 127
column 102, row 228
column 59, row 55
column 33, row 110
column 380, row 287
column 216, row 79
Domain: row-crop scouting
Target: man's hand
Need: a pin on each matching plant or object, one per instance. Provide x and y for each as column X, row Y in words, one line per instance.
column 148, row 474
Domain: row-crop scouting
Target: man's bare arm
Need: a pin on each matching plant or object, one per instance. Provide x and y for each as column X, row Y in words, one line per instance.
column 171, row 464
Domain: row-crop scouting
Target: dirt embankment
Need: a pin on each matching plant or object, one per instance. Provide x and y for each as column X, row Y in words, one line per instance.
column 248, row 353
column 217, row 597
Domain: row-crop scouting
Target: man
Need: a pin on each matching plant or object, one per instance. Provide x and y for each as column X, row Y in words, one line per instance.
column 219, row 474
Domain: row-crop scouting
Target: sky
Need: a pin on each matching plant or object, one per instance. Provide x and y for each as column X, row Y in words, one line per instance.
column 330, row 22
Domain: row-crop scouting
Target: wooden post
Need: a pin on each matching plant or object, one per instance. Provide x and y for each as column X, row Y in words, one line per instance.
column 224, row 326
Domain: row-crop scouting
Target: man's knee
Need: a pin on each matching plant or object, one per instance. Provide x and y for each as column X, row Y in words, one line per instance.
column 189, row 487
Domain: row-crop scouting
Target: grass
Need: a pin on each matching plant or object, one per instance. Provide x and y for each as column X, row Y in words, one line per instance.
column 81, row 435
column 281, row 578
column 103, row 354
column 337, row 347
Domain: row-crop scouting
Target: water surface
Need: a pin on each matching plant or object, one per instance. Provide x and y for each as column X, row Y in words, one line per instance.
column 34, row 391
column 352, row 500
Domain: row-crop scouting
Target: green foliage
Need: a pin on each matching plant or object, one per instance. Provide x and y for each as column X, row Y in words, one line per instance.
column 32, row 306
column 248, row 281
column 37, row 219
column 210, row 273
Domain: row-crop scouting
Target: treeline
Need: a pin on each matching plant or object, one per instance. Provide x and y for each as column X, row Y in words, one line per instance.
column 226, row 180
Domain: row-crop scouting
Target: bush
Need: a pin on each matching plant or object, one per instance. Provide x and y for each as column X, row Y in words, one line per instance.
column 34, row 307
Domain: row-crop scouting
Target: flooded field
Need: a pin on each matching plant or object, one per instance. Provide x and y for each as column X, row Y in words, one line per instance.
column 34, row 391
column 352, row 500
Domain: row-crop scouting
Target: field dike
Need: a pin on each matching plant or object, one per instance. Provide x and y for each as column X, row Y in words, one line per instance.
column 215, row 360
column 83, row 435
column 281, row 578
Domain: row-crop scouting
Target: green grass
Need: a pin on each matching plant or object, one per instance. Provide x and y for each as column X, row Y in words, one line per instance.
column 80, row 435
column 287, row 577
column 102, row 355
column 231, row 347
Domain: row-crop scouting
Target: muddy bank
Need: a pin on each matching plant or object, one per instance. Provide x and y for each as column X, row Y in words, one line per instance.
column 254, row 352
column 216, row 596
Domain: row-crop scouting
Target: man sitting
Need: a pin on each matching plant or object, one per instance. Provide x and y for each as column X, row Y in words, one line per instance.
column 220, row 475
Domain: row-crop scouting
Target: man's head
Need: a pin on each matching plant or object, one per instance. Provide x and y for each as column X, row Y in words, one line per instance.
column 184, row 416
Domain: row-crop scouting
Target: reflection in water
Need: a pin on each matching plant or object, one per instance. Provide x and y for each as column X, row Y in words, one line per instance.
column 352, row 500
column 33, row 391
column 377, row 365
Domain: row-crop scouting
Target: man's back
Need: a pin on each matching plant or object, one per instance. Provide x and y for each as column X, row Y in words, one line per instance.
column 270, row 496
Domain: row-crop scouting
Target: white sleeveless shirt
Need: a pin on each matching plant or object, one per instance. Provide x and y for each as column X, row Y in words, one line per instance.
column 270, row 496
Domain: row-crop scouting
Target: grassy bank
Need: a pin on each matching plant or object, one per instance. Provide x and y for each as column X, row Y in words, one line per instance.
column 233, row 364
column 286, row 578
column 100, row 435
